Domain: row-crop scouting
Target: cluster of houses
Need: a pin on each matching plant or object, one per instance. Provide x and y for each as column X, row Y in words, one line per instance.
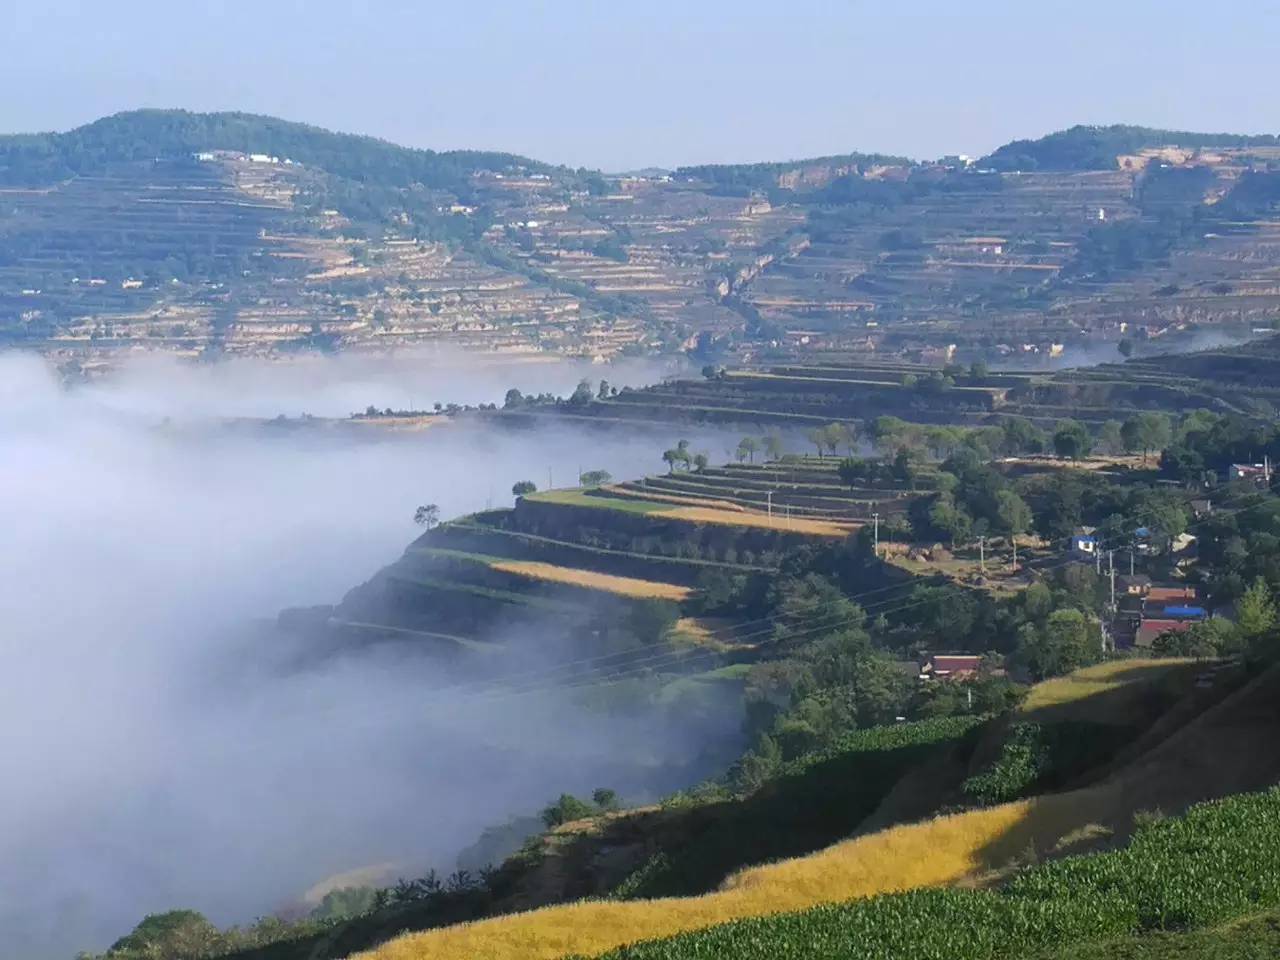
column 1146, row 610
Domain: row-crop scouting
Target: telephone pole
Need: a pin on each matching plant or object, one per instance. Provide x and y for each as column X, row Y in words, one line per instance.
column 982, row 555
column 769, row 501
column 875, row 528
column 1131, row 561
column 1111, row 557
column 1014, row 541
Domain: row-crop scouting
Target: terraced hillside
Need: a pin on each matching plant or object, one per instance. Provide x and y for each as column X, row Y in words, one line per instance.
column 564, row 562
column 799, row 397
column 203, row 233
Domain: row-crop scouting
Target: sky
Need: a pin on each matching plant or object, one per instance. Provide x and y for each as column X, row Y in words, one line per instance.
column 621, row 86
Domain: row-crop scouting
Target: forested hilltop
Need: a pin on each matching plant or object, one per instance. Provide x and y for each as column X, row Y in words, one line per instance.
column 227, row 233
column 148, row 135
column 1096, row 147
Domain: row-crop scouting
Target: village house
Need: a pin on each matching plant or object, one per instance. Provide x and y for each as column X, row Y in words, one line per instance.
column 1258, row 474
column 1084, row 542
column 950, row 667
column 1133, row 584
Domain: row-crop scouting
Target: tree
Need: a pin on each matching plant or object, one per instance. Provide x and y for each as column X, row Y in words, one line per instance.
column 817, row 436
column 565, row 809
column 833, row 434
column 343, row 903
column 710, row 371
column 855, row 471
column 1071, row 439
column 1012, row 513
column 978, row 370
column 700, row 462
column 773, row 446
column 514, row 398
column 679, row 454
column 1208, row 638
column 427, row 515
column 595, row 478
column 605, row 799
column 175, row 935
column 1255, row 612
column 948, row 518
column 1146, row 432
column 1022, row 436
column 522, row 487
column 603, row 393
column 583, row 395
column 1067, row 641
column 1125, row 347
column 1111, row 437
column 747, row 448
column 905, row 468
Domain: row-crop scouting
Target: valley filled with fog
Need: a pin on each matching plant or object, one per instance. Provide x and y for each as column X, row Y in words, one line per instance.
column 160, row 753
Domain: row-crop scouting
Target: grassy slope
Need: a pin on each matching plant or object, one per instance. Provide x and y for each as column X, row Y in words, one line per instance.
column 1226, row 750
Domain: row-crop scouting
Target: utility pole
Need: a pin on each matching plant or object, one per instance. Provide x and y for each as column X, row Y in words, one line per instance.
column 982, row 555
column 1097, row 560
column 549, row 483
column 1111, row 556
column 769, row 501
column 1131, row 561
column 1014, row 540
column 875, row 528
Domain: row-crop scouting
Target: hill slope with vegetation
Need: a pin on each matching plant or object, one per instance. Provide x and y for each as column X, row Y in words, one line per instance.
column 203, row 233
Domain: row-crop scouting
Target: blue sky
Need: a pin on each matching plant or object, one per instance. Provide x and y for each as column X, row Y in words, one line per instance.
column 623, row 85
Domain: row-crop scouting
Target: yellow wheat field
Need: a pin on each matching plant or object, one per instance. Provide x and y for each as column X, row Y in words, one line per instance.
column 623, row 586
column 818, row 528
column 1101, row 678
column 939, row 851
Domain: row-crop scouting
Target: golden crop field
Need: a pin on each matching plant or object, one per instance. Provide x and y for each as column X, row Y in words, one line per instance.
column 939, row 851
column 610, row 583
column 818, row 528
column 1054, row 699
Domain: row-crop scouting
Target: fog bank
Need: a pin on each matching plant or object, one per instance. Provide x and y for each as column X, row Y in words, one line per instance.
column 151, row 759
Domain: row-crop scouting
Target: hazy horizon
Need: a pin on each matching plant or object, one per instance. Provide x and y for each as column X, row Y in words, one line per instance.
column 587, row 86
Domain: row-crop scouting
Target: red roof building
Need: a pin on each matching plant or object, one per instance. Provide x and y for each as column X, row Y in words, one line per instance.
column 1150, row 629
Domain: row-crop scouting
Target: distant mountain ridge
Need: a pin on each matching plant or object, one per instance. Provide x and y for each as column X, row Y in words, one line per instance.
column 37, row 159
column 40, row 159
column 1096, row 147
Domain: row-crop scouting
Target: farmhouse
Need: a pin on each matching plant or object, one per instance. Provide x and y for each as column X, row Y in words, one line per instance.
column 950, row 667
